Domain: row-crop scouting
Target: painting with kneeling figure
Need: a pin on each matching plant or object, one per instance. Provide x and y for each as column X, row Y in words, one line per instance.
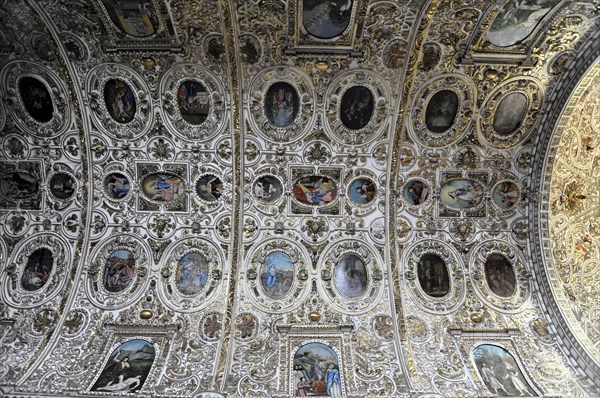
column 127, row 367
column 500, row 372
column 316, row 371
column 38, row 269
column 277, row 275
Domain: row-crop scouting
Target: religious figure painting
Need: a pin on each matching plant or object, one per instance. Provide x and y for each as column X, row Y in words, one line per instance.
column 209, row 188
column 362, row 191
column 193, row 101
column 37, row 270
column 119, row 271
column 277, row 275
column 433, row 275
column 415, row 192
column 36, row 99
column 62, row 186
column 461, row 193
column 351, row 275
column 441, row 111
column 510, row 113
column 517, row 20
column 192, row 273
column 315, row 190
column 506, row 194
column 119, row 100
column 500, row 372
column 18, row 185
column 499, row 275
column 316, row 371
column 326, row 19
column 163, row 187
column 116, row 185
column 281, row 104
column 268, row 189
column 127, row 367
column 356, row 107
column 137, row 18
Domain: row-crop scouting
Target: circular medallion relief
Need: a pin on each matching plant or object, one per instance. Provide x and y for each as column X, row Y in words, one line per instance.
column 62, row 186
column 116, row 186
column 209, row 187
column 267, row 189
column 505, row 194
column 416, row 192
column 362, row 191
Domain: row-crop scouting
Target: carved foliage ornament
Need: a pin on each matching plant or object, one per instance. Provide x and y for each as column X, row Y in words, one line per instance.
column 509, row 112
column 118, row 272
column 351, row 277
column 193, row 102
column 138, row 120
column 191, row 275
column 30, row 280
column 454, row 292
column 277, row 276
column 24, row 99
column 356, row 107
column 298, row 87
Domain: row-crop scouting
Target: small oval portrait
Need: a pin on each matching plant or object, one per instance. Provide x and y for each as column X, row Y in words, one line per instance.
column 119, row 100
column 137, row 18
column 315, row 190
column 193, row 101
column 268, row 189
column 18, row 185
column 37, row 270
column 441, row 111
column 116, row 185
column 281, row 104
column 326, row 19
column 351, row 276
column 500, row 372
column 62, row 186
column 36, row 99
column 316, row 372
column 126, row 368
column 416, row 192
column 119, row 271
column 499, row 275
column 163, row 187
column 277, row 275
column 461, row 193
column 433, row 275
column 505, row 194
column 510, row 113
column 209, row 187
column 362, row 191
column 356, row 107
column 192, row 273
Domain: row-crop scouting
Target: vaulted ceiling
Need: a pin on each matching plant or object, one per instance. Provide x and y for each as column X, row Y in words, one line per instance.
column 399, row 195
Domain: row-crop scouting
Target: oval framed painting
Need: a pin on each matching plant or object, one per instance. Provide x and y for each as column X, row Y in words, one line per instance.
column 119, row 100
column 433, row 275
column 356, row 107
column 119, row 271
column 281, row 104
column 194, row 102
column 499, row 275
column 315, row 190
column 192, row 273
column 62, row 186
column 163, row 187
column 36, row 99
column 362, row 191
column 18, row 185
column 137, row 18
column 505, row 194
column 351, row 276
column 416, row 192
column 461, row 193
column 117, row 186
column 277, row 275
column 441, row 111
column 267, row 189
column 209, row 187
column 37, row 270
column 510, row 113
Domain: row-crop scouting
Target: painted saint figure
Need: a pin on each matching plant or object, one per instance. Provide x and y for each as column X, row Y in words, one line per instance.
column 334, row 383
column 281, row 104
column 315, row 190
column 492, row 382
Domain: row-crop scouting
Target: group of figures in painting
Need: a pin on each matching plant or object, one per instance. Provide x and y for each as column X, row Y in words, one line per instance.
column 316, row 371
column 500, row 372
column 17, row 186
column 119, row 271
column 37, row 270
